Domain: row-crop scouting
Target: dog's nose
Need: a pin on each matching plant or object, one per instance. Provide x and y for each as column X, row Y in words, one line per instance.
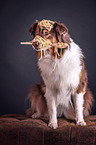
column 35, row 44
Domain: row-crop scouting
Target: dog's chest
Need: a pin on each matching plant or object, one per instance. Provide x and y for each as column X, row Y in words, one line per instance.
column 64, row 79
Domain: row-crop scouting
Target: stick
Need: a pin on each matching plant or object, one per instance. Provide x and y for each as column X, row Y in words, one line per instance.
column 26, row 43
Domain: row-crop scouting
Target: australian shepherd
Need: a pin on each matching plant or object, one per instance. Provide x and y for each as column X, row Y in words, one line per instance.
column 63, row 90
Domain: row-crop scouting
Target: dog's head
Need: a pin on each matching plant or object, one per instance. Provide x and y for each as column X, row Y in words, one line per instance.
column 49, row 33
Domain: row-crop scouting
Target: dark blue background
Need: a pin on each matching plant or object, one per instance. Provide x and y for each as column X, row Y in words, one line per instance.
column 18, row 70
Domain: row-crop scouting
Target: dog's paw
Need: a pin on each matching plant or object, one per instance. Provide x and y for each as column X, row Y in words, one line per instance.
column 35, row 115
column 53, row 125
column 81, row 123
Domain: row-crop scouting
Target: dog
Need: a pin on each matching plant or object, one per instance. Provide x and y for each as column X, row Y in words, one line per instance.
column 63, row 90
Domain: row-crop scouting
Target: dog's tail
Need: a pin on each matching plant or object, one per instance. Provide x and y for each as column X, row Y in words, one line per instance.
column 37, row 100
column 88, row 103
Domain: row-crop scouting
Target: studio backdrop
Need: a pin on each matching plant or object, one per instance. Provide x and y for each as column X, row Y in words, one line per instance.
column 18, row 63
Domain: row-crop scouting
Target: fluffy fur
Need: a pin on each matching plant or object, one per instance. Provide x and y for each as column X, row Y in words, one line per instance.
column 64, row 89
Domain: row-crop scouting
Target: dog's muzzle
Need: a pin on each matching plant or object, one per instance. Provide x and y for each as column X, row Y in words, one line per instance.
column 39, row 43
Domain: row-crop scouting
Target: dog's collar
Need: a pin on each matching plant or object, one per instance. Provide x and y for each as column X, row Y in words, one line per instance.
column 46, row 24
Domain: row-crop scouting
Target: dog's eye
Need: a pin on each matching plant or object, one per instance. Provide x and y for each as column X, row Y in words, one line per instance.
column 46, row 33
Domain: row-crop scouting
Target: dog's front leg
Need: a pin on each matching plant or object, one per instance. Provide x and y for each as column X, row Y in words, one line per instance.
column 79, row 102
column 52, row 109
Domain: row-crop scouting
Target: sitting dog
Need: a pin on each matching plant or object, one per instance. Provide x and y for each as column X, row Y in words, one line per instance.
column 63, row 90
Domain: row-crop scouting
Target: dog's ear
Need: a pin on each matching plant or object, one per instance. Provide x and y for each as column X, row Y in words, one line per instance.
column 33, row 28
column 61, row 32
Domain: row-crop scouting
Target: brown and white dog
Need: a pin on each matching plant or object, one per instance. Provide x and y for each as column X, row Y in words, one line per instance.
column 63, row 90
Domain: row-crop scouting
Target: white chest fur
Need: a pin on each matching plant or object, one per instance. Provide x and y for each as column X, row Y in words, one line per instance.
column 65, row 78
